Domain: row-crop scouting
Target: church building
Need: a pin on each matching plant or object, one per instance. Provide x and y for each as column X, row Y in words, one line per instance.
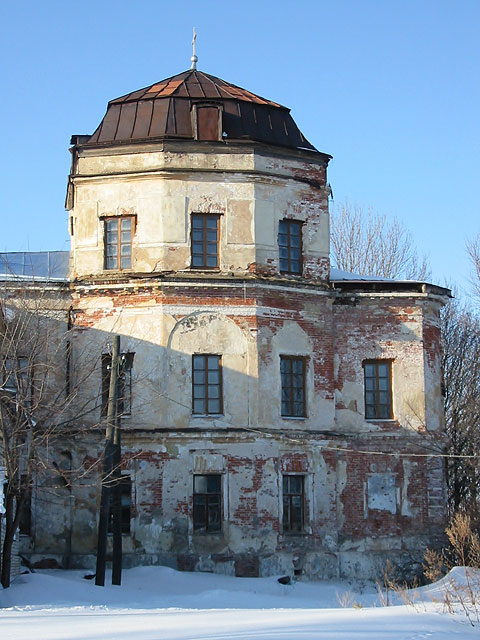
column 275, row 412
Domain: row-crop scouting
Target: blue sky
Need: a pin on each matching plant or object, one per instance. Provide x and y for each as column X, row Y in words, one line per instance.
column 390, row 88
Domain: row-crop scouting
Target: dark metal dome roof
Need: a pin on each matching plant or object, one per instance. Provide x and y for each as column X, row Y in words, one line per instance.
column 163, row 110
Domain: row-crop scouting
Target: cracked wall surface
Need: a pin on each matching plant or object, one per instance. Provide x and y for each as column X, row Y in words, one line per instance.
column 366, row 497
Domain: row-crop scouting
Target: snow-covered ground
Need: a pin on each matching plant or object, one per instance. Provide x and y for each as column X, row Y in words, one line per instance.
column 157, row 603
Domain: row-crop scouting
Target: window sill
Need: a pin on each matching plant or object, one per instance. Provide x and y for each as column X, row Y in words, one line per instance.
column 207, row 533
column 291, row 534
column 381, row 420
column 208, row 415
column 294, row 417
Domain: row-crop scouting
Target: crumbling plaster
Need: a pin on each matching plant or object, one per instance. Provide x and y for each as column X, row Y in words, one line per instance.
column 250, row 202
column 362, row 503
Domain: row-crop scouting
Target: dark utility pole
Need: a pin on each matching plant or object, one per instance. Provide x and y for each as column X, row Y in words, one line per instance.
column 117, row 506
column 108, row 462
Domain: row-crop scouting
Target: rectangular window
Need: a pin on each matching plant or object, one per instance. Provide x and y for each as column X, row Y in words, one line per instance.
column 208, row 122
column 378, row 389
column 118, row 242
column 25, row 523
column 124, row 383
column 205, row 234
column 125, row 505
column 292, row 372
column 290, row 246
column 17, row 379
column 207, row 384
column 207, row 503
column 293, row 503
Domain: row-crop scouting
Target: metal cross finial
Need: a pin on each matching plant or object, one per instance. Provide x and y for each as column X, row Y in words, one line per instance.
column 194, row 58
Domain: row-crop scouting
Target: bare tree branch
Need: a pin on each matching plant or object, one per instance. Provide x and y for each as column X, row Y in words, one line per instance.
column 473, row 250
column 368, row 243
column 41, row 407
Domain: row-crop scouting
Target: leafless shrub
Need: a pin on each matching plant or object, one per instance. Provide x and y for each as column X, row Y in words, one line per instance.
column 347, row 600
column 463, row 551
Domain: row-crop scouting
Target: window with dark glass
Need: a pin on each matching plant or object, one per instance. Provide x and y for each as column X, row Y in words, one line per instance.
column 292, row 372
column 207, row 384
column 293, row 503
column 16, row 378
column 378, row 389
column 118, row 242
column 25, row 523
column 207, row 503
column 205, row 234
column 290, row 246
column 124, row 383
column 125, row 505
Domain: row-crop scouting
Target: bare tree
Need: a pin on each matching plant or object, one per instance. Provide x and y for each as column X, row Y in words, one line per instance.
column 37, row 395
column 461, row 370
column 473, row 250
column 368, row 243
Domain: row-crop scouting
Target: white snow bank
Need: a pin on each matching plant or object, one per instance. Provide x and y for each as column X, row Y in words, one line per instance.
column 157, row 603
column 154, row 587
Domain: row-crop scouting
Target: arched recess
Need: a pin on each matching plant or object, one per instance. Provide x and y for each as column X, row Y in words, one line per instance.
column 211, row 332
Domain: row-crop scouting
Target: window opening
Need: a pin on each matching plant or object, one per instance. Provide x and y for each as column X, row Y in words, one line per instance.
column 290, row 246
column 293, row 503
column 118, row 242
column 378, row 390
column 208, row 122
column 205, row 234
column 292, row 373
column 125, row 505
column 207, row 503
column 25, row 522
column 207, row 384
column 16, row 379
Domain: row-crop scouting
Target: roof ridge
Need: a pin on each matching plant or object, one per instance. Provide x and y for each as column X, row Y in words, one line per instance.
column 171, row 86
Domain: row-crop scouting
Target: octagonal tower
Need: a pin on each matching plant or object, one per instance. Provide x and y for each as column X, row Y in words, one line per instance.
column 262, row 400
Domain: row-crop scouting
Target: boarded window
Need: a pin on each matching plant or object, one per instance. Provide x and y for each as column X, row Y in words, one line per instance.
column 207, row 503
column 208, row 123
column 382, row 492
column 293, row 503
column 378, row 389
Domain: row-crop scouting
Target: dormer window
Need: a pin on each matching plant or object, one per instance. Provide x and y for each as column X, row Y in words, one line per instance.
column 207, row 122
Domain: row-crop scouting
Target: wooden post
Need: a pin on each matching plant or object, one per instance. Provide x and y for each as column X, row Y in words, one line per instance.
column 107, row 479
column 117, row 507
